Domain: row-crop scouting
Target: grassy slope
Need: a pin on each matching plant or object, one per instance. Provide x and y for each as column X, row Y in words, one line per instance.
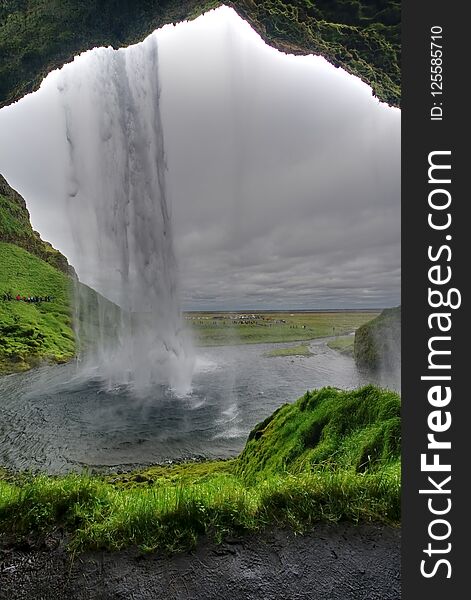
column 32, row 332
column 31, row 267
column 378, row 343
column 356, row 430
column 331, row 455
column 361, row 36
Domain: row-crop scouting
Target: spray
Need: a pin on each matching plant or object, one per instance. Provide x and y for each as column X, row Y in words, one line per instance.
column 119, row 215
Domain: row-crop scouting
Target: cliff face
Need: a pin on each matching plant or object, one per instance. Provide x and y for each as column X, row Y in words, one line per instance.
column 361, row 36
column 15, row 228
column 378, row 342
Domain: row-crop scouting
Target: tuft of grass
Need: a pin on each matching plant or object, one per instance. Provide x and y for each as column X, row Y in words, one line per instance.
column 171, row 518
column 301, row 466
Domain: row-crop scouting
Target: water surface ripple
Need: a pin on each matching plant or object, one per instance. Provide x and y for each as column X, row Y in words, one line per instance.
column 51, row 419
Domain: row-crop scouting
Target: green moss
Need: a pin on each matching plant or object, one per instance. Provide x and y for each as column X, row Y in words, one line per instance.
column 361, row 37
column 378, row 343
column 37, row 36
column 175, row 474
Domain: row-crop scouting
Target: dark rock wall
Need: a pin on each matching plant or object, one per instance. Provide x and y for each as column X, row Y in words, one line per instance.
column 361, row 36
column 378, row 342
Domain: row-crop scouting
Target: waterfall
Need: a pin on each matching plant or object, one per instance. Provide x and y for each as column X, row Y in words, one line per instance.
column 119, row 215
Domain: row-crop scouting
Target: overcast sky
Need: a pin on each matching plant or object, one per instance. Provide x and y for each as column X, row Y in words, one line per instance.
column 283, row 173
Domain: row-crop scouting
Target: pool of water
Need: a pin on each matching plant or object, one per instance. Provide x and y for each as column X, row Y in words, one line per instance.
column 53, row 419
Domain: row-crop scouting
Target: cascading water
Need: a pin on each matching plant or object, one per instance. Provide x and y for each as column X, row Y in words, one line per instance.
column 119, row 216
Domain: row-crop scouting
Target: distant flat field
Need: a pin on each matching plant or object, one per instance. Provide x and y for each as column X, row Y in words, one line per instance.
column 226, row 328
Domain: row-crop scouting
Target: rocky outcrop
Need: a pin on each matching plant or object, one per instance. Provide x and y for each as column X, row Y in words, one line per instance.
column 378, row 343
column 361, row 36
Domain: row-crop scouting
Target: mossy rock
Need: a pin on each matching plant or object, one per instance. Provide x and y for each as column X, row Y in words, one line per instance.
column 378, row 343
column 37, row 36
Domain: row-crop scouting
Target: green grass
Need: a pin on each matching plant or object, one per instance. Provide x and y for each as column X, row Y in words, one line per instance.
column 327, row 429
column 216, row 329
column 330, row 456
column 32, row 332
column 343, row 344
column 172, row 518
column 301, row 350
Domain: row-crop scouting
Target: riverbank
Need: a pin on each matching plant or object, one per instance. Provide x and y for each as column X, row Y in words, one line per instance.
column 229, row 328
column 332, row 562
